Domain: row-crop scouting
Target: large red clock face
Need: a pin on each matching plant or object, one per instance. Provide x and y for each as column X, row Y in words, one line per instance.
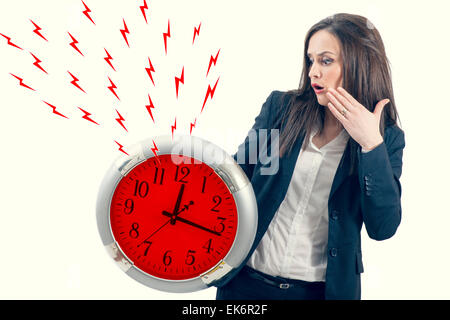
column 173, row 220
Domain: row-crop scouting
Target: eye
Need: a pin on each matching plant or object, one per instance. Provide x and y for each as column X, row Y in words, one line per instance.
column 325, row 61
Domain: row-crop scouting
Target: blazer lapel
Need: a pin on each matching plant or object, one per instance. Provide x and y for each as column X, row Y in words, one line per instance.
column 271, row 190
column 342, row 171
column 288, row 164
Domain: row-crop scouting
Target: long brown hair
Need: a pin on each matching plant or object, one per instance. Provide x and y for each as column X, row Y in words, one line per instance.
column 366, row 76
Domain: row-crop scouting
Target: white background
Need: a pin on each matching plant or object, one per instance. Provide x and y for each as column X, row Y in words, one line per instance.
column 52, row 167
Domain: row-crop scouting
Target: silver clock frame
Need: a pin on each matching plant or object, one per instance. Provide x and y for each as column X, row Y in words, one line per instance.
column 224, row 165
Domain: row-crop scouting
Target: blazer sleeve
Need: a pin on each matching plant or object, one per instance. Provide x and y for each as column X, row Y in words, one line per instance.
column 247, row 154
column 379, row 174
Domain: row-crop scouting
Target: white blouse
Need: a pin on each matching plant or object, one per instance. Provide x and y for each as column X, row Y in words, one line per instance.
column 295, row 244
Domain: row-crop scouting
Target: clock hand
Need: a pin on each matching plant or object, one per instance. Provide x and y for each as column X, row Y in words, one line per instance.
column 191, row 223
column 146, row 239
column 186, row 206
column 180, row 194
column 177, row 204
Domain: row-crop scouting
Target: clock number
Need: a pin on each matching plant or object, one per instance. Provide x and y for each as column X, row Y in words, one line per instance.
column 148, row 243
column 167, row 260
column 204, row 185
column 185, row 171
column 190, row 258
column 141, row 189
column 217, row 200
column 129, row 206
column 222, row 226
column 134, row 233
column 155, row 180
column 207, row 246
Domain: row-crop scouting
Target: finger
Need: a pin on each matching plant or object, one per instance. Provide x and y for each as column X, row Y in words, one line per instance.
column 337, row 103
column 380, row 106
column 337, row 114
column 342, row 99
column 348, row 96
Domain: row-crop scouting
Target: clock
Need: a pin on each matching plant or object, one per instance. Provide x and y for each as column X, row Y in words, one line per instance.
column 180, row 220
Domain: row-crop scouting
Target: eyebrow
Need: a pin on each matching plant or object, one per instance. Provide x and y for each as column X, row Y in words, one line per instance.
column 322, row 53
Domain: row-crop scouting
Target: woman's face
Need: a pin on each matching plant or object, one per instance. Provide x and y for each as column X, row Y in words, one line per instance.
column 325, row 64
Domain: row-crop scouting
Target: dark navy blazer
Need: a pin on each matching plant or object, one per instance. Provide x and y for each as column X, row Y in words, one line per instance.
column 371, row 194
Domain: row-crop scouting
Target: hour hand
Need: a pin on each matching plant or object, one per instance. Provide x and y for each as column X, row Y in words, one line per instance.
column 178, row 203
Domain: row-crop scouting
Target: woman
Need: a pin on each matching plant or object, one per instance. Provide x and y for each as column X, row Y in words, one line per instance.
column 340, row 160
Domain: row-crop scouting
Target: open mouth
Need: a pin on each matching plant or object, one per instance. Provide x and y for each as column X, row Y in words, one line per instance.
column 317, row 87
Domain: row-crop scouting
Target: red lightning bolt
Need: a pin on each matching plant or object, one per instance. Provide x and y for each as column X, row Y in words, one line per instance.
column 150, row 69
column 112, row 87
column 209, row 92
column 121, row 148
column 108, row 59
column 143, row 8
column 211, row 61
column 178, row 80
column 86, row 116
column 37, row 63
column 124, row 31
column 149, row 107
column 37, row 30
column 9, row 41
column 21, row 82
column 86, row 12
column 166, row 35
column 73, row 44
column 192, row 125
column 196, row 32
column 120, row 120
column 54, row 110
column 154, row 149
column 74, row 82
column 174, row 127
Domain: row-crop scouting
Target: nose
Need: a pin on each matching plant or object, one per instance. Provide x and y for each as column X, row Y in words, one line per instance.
column 314, row 71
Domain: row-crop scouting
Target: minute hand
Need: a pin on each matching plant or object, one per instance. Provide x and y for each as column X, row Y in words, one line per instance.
column 178, row 218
